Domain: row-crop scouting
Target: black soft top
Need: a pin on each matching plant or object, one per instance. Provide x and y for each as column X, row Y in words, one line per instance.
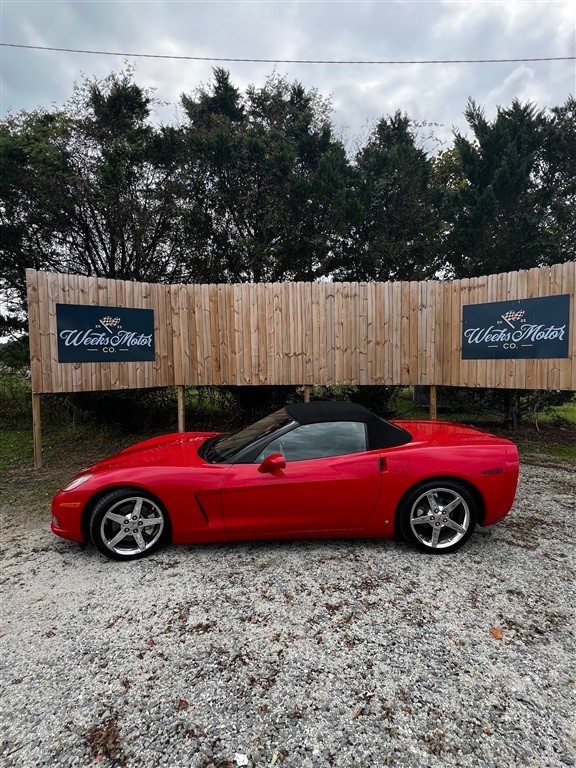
column 381, row 434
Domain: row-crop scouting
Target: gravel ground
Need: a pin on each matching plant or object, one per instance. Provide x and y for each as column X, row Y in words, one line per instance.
column 347, row 653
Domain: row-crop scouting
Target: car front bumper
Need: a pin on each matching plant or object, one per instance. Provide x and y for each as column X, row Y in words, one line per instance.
column 67, row 517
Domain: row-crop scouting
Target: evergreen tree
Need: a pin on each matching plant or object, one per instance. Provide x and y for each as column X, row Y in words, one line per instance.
column 264, row 181
column 89, row 189
column 393, row 208
column 514, row 209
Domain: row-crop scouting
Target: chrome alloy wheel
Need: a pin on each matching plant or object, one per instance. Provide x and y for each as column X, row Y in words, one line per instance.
column 131, row 526
column 440, row 518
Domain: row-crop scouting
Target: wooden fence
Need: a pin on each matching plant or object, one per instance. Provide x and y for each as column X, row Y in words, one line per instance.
column 406, row 333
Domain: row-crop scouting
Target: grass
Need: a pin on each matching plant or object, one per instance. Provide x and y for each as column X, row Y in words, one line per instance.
column 15, row 448
column 565, row 412
column 60, row 445
column 66, row 450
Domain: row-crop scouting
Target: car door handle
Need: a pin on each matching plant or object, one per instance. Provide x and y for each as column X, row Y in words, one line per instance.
column 382, row 464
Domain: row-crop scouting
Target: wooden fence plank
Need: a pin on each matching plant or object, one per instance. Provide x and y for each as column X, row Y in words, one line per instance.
column 363, row 334
column 439, row 326
column 180, row 318
column 534, row 288
column 396, row 337
column 130, row 374
column 299, row 333
column 196, row 372
column 519, row 368
column 70, row 289
column 213, row 332
column 270, row 337
column 155, row 297
column 292, row 320
column 422, row 334
column 338, row 324
column 263, row 353
column 349, row 352
column 501, row 294
column 203, row 320
column 306, row 292
column 34, row 331
column 554, row 377
column 568, row 365
column 490, row 365
column 456, row 368
column 404, row 350
column 387, row 346
column 322, row 335
column 47, row 385
column 60, row 372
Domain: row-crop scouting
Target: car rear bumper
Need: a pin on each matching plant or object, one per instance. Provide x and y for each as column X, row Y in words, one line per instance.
column 502, row 495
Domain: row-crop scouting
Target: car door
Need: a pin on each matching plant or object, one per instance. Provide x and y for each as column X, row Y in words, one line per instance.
column 313, row 493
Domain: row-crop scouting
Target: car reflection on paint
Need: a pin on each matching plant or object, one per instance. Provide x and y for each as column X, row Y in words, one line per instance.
column 309, row 470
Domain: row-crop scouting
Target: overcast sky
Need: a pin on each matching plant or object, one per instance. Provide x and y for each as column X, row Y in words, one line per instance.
column 305, row 29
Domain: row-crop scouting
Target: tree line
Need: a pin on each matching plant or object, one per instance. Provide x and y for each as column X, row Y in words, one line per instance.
column 256, row 186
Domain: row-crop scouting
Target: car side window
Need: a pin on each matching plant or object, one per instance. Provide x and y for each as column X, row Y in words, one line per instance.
column 316, row 441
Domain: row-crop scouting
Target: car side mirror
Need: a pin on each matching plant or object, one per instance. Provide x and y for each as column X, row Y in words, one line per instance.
column 272, row 462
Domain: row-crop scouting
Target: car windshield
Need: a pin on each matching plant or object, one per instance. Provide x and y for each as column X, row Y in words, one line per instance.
column 223, row 448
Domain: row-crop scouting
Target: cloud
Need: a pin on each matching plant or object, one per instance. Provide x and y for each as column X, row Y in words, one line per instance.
column 355, row 30
column 518, row 85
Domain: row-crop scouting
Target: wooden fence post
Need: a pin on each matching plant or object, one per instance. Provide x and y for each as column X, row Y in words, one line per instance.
column 433, row 402
column 307, row 392
column 181, row 390
column 37, row 430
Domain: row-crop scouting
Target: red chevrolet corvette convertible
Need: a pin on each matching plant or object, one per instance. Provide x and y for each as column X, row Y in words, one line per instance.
column 310, row 470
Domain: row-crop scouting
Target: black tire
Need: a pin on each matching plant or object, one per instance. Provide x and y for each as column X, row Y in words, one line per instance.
column 438, row 516
column 127, row 524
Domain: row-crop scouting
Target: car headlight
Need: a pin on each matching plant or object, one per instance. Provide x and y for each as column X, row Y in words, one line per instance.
column 77, row 481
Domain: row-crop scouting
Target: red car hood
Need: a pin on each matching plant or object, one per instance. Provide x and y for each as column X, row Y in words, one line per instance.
column 448, row 433
column 176, row 450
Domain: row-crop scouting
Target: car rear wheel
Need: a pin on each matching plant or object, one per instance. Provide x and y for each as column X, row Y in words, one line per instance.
column 438, row 516
column 127, row 524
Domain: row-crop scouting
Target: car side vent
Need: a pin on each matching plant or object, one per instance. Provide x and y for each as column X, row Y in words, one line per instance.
column 201, row 508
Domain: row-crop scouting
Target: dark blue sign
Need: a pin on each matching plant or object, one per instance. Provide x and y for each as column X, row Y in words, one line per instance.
column 88, row 334
column 526, row 328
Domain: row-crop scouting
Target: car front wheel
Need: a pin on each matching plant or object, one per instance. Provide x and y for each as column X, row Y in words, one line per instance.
column 438, row 516
column 127, row 524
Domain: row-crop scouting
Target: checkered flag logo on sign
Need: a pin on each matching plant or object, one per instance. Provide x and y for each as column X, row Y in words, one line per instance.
column 511, row 316
column 110, row 322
